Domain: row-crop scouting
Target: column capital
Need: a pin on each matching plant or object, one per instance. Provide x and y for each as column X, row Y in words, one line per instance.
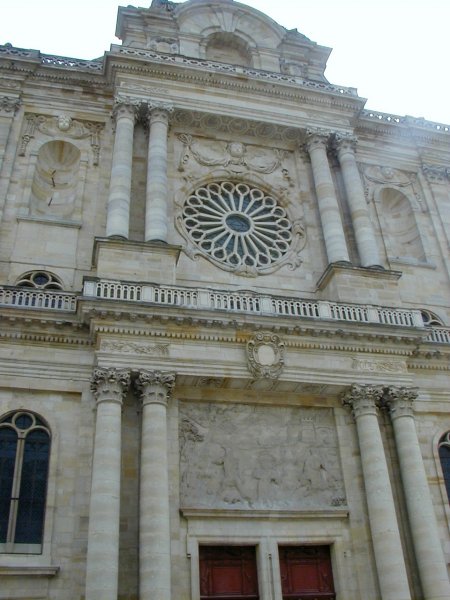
column 9, row 105
column 344, row 143
column 155, row 387
column 363, row 399
column 399, row 401
column 316, row 138
column 159, row 111
column 436, row 173
column 125, row 107
column 110, row 385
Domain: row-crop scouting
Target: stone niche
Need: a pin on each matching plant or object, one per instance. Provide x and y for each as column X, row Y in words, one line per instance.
column 251, row 457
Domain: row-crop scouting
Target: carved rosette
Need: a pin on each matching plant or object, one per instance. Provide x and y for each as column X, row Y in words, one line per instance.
column 265, row 355
column 363, row 399
column 110, row 385
column 399, row 401
column 155, row 387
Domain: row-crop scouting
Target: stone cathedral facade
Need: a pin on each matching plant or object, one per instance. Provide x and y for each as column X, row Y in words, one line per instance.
column 224, row 322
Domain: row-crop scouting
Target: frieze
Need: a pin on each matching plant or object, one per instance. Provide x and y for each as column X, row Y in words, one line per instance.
column 380, row 366
column 156, row 350
column 242, row 456
column 236, row 126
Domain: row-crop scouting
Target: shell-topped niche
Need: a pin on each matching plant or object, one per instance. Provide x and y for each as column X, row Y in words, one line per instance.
column 55, row 181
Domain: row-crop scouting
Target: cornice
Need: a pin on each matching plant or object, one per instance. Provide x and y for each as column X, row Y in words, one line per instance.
column 209, row 330
column 239, row 83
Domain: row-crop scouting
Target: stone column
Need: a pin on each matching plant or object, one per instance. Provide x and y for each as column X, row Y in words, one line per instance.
column 154, row 521
column 118, row 216
column 156, row 208
column 386, row 541
column 427, row 544
column 364, row 234
column 330, row 216
column 109, row 387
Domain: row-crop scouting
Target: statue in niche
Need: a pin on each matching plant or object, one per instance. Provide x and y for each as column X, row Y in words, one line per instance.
column 258, row 457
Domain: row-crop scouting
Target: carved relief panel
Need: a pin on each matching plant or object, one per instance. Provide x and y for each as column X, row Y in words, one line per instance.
column 249, row 457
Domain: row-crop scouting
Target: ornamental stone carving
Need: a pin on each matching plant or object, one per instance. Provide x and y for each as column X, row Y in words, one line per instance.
column 62, row 125
column 235, row 156
column 436, row 173
column 363, row 399
column 399, row 401
column 9, row 105
column 265, row 355
column 110, row 385
column 240, row 456
column 156, row 350
column 155, row 387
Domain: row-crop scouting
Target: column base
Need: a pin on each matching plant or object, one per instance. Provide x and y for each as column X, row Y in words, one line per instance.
column 135, row 261
column 364, row 285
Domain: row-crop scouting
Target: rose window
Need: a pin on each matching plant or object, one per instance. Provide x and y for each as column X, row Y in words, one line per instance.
column 238, row 226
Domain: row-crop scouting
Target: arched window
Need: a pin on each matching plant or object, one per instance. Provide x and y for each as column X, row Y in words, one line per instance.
column 40, row 280
column 444, row 456
column 24, row 459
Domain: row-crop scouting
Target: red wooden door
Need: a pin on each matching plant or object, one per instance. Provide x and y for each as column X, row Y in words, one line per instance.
column 306, row 573
column 228, row 573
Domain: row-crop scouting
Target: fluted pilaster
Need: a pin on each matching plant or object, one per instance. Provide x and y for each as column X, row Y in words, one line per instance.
column 109, row 387
column 155, row 388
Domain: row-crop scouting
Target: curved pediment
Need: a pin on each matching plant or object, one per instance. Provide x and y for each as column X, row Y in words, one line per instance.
column 223, row 31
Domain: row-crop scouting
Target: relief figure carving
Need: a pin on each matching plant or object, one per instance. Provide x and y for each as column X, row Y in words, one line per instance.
column 238, row 456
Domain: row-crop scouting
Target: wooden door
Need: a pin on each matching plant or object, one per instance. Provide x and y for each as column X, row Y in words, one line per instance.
column 228, row 573
column 306, row 573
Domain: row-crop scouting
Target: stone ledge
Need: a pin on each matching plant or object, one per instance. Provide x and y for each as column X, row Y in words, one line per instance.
column 214, row 513
column 22, row 571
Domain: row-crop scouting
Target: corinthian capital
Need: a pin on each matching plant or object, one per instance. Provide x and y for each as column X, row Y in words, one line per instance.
column 125, row 107
column 344, row 142
column 400, row 401
column 316, row 138
column 155, row 387
column 9, row 105
column 110, row 385
column 363, row 399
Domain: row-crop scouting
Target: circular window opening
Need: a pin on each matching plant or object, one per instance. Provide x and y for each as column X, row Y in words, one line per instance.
column 238, row 226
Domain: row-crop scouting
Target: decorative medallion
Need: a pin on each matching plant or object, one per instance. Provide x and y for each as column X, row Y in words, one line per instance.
column 240, row 228
column 265, row 355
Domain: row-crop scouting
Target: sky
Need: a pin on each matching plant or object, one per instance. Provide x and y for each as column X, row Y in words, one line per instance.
column 395, row 52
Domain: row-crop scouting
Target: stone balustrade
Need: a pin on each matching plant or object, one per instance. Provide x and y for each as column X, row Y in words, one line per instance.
column 212, row 300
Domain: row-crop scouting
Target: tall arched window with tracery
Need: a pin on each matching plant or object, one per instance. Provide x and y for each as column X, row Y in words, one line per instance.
column 24, row 460
column 444, row 456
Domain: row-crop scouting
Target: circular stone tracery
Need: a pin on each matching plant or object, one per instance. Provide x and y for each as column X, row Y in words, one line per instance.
column 240, row 227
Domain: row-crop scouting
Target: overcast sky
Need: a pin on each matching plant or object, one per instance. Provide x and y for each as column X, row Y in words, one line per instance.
column 395, row 52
